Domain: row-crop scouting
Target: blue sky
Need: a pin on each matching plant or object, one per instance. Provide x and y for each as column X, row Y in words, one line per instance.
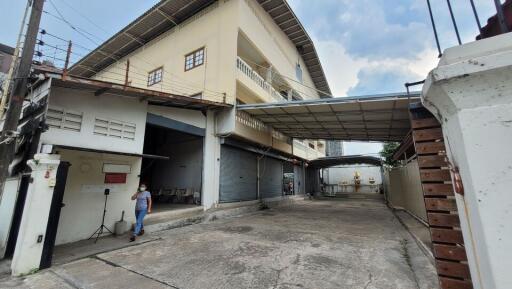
column 365, row 46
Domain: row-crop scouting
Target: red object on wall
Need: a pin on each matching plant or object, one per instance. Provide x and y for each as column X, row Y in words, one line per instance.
column 115, row 178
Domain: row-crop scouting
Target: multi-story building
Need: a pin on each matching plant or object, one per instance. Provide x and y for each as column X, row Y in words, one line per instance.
column 234, row 51
column 334, row 148
column 156, row 103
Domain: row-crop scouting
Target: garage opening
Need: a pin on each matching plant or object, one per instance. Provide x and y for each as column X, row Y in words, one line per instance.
column 175, row 183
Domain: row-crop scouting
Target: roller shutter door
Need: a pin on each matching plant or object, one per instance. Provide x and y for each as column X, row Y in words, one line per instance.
column 238, row 175
column 271, row 177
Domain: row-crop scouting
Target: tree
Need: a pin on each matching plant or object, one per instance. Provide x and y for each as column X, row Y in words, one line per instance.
column 387, row 152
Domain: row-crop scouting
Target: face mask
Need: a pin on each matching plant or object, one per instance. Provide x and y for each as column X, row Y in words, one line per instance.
column 142, row 189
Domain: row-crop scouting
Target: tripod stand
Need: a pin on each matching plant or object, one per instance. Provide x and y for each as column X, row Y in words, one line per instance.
column 102, row 228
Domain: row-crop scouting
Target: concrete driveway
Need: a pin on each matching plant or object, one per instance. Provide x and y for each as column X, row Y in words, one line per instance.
column 342, row 243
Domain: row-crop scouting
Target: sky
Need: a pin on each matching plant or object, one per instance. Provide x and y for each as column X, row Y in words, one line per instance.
column 365, row 46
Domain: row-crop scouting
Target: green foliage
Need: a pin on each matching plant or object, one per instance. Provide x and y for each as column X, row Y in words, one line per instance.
column 387, row 152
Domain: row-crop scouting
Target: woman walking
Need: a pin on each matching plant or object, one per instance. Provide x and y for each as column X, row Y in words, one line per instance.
column 142, row 207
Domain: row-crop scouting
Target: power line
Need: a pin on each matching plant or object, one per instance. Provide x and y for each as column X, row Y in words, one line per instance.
column 175, row 86
column 76, row 28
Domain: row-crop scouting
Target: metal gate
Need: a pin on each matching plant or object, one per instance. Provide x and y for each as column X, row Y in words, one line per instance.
column 443, row 218
column 238, row 175
column 271, row 177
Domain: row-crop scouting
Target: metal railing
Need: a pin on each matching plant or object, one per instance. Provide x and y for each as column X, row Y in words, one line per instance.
column 258, row 80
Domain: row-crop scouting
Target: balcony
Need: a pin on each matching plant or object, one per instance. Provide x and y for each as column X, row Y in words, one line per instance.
column 256, row 84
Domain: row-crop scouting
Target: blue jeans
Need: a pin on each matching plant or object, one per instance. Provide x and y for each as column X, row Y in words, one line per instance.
column 139, row 216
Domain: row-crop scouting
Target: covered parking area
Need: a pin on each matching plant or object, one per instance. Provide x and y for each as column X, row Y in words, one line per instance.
column 333, row 176
column 371, row 118
column 387, row 118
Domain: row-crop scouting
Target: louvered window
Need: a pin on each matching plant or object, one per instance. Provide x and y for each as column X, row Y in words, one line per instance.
column 64, row 119
column 114, row 128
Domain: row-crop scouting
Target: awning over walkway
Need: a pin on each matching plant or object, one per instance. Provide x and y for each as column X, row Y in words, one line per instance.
column 382, row 117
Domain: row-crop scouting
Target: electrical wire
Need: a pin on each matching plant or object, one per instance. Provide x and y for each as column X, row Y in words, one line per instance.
column 174, row 85
column 78, row 29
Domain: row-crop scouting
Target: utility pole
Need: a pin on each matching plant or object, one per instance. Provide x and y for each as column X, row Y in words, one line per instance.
column 9, row 132
column 7, row 83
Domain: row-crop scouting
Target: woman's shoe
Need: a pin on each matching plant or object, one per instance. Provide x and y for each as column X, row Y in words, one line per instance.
column 141, row 232
column 132, row 239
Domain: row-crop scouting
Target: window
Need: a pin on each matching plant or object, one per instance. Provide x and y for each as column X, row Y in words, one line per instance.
column 298, row 72
column 114, row 128
column 194, row 59
column 155, row 76
column 64, row 119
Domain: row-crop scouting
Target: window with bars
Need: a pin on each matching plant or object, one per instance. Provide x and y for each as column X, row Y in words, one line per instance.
column 114, row 128
column 155, row 76
column 64, row 119
column 194, row 59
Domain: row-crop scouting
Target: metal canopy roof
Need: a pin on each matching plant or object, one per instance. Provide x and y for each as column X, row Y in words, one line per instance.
column 382, row 117
column 153, row 97
column 167, row 14
column 345, row 160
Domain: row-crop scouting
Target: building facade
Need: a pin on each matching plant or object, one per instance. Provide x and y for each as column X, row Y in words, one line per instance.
column 156, row 104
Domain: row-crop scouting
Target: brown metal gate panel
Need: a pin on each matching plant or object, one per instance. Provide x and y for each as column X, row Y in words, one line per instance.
column 448, row 244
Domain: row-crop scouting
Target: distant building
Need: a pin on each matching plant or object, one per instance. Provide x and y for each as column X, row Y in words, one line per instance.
column 6, row 55
column 334, row 148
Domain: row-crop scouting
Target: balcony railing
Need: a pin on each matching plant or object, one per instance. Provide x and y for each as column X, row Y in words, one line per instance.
column 258, row 80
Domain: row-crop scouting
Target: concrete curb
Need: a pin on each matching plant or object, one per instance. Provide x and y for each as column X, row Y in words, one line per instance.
column 427, row 251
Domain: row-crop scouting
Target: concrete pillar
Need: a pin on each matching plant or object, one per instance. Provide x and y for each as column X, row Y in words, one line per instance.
column 29, row 246
column 470, row 93
column 211, row 163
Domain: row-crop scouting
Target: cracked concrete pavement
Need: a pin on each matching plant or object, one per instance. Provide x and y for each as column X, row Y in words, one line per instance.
column 341, row 243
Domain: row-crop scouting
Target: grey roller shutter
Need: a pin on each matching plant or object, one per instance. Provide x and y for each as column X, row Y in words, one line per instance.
column 238, row 175
column 271, row 177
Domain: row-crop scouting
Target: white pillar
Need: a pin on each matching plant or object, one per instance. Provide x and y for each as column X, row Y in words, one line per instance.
column 470, row 93
column 29, row 246
column 211, row 163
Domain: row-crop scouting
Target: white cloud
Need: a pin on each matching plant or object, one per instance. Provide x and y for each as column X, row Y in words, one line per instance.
column 340, row 69
column 362, row 148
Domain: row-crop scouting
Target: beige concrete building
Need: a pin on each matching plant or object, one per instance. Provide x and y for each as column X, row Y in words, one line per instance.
column 156, row 103
column 236, row 51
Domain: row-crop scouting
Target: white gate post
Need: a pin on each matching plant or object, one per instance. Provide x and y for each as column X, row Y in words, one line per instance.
column 29, row 245
column 470, row 93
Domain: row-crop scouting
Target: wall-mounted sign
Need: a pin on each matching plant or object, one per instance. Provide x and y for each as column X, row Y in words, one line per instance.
column 115, row 178
column 117, row 168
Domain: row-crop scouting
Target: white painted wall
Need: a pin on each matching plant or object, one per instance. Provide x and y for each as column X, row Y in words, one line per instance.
column 339, row 174
column 470, row 93
column 404, row 190
column 7, row 204
column 192, row 117
column 84, row 198
column 104, row 106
